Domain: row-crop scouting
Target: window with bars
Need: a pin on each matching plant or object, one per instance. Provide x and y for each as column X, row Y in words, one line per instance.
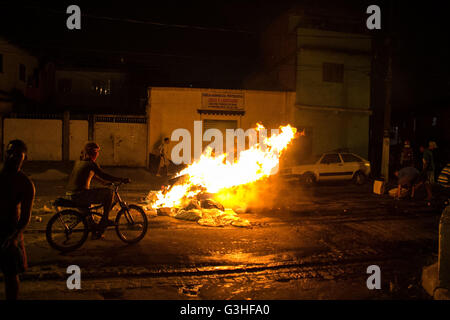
column 333, row 72
column 101, row 87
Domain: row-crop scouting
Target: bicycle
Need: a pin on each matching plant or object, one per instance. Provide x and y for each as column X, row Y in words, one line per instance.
column 68, row 229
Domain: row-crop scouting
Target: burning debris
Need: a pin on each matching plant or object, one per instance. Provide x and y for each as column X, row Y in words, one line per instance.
column 211, row 190
column 202, row 209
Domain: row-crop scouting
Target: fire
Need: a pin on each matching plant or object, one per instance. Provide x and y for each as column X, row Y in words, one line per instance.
column 214, row 174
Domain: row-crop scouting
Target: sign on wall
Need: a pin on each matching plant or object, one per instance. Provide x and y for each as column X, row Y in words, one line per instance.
column 223, row 101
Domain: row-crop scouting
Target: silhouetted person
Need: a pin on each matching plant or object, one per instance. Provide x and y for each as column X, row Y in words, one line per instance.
column 163, row 156
column 444, row 176
column 412, row 178
column 428, row 169
column 407, row 155
column 16, row 191
column 438, row 165
column 80, row 180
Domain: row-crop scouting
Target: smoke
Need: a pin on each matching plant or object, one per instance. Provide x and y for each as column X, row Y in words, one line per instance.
column 267, row 193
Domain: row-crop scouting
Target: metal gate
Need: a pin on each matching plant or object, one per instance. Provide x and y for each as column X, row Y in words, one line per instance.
column 123, row 140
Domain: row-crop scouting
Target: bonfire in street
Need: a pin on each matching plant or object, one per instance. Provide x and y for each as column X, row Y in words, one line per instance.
column 213, row 190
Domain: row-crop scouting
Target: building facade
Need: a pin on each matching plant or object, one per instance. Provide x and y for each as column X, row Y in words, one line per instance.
column 18, row 71
column 329, row 68
column 333, row 89
column 170, row 109
column 81, row 89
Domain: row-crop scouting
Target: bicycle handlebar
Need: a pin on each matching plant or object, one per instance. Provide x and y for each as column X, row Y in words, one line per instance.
column 117, row 183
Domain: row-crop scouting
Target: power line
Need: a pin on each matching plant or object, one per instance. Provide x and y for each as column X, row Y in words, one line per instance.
column 201, row 28
column 145, row 22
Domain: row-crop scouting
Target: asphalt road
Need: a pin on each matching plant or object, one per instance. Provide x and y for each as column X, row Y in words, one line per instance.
column 315, row 247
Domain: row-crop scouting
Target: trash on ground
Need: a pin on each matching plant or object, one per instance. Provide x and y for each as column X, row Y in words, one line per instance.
column 45, row 209
column 378, row 187
column 206, row 212
column 164, row 211
column 403, row 192
column 190, row 215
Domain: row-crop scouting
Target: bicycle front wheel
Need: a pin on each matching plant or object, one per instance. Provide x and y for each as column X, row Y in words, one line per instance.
column 131, row 224
column 67, row 230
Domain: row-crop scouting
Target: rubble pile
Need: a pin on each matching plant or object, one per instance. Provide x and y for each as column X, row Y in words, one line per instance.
column 202, row 209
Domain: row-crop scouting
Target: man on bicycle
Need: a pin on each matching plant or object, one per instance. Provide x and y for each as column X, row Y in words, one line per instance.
column 79, row 184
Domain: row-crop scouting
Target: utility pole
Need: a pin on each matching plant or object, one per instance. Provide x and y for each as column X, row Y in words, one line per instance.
column 387, row 114
column 387, row 106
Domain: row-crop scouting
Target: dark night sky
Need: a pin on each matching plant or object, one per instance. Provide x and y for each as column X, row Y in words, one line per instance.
column 179, row 53
column 183, row 54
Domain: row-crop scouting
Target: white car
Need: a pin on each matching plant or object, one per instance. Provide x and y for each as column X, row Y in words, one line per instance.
column 330, row 166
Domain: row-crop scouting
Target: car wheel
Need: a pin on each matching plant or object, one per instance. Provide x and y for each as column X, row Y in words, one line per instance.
column 309, row 179
column 359, row 178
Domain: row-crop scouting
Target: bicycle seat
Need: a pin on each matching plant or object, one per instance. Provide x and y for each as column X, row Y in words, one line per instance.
column 62, row 202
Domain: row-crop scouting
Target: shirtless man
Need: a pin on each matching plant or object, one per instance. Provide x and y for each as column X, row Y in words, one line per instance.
column 79, row 188
column 16, row 201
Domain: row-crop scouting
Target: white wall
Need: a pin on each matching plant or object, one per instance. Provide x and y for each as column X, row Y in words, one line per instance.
column 78, row 133
column 43, row 137
column 123, row 144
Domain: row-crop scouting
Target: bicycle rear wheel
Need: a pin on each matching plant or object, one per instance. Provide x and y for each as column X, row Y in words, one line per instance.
column 67, row 230
column 131, row 224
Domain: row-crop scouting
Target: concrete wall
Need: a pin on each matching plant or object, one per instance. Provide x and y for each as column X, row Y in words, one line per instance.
column 337, row 112
column 353, row 92
column 78, row 136
column 123, row 144
column 333, row 129
column 353, row 51
column 173, row 108
column 43, row 137
column 12, row 58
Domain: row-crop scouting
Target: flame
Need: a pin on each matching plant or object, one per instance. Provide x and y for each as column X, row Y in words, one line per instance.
column 214, row 174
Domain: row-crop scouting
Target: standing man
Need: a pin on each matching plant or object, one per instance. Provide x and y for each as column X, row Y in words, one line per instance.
column 438, row 165
column 428, row 162
column 427, row 169
column 407, row 155
column 80, row 181
column 164, row 156
column 16, row 191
